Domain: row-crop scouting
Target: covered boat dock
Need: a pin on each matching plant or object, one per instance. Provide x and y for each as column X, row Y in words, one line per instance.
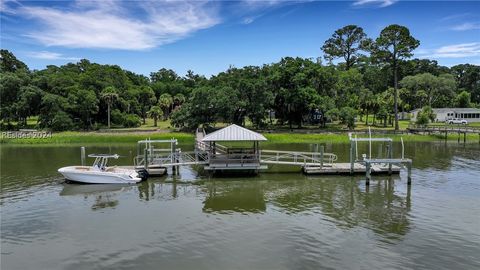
column 237, row 156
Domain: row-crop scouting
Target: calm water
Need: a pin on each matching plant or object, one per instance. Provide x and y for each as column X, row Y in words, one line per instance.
column 277, row 220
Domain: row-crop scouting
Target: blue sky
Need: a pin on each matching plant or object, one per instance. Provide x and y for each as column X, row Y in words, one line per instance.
column 209, row 36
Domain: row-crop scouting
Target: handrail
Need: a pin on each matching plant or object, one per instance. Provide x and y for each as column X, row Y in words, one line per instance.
column 444, row 128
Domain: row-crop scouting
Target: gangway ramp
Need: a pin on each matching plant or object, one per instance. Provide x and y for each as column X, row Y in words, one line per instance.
column 303, row 159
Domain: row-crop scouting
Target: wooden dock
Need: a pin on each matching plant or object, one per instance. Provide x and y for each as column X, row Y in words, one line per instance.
column 344, row 168
column 445, row 130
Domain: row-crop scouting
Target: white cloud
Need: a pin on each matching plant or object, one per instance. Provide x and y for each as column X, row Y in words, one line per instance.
column 454, row 51
column 248, row 20
column 455, row 16
column 112, row 25
column 466, row 26
column 380, row 3
column 51, row 56
column 7, row 6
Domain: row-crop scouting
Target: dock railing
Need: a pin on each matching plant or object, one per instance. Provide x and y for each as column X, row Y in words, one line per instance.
column 443, row 128
column 297, row 158
column 233, row 159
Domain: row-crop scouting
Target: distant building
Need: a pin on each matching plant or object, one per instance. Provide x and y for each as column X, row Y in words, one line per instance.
column 443, row 114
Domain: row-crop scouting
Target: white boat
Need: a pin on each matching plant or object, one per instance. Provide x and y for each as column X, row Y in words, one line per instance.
column 99, row 173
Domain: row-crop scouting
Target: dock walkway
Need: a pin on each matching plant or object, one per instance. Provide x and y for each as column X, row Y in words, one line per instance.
column 345, row 168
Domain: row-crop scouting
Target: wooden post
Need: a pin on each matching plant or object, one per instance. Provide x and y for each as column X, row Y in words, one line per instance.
column 390, row 155
column 145, row 157
column 321, row 156
column 409, row 176
column 367, row 173
column 82, row 155
column 173, row 153
column 351, row 157
column 464, row 137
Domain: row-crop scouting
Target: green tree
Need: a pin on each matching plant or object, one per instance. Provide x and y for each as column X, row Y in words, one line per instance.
column 145, row 97
column 51, row 106
column 28, row 104
column 425, row 115
column 9, row 63
column 165, row 101
column 347, row 116
column 155, row 112
column 86, row 104
column 394, row 44
column 109, row 95
column 178, row 99
column 346, row 43
column 365, row 101
column 463, row 100
column 437, row 91
column 468, row 78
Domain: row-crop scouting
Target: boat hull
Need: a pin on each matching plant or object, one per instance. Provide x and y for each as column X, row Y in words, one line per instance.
column 83, row 174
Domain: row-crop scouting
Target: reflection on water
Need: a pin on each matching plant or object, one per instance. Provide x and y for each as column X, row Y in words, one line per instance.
column 105, row 195
column 272, row 221
column 238, row 196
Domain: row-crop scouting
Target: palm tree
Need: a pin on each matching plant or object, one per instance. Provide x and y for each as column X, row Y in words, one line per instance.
column 165, row 101
column 155, row 112
column 178, row 99
column 109, row 94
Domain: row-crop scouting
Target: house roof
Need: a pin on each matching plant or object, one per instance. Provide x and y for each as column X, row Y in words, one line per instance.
column 457, row 110
column 233, row 133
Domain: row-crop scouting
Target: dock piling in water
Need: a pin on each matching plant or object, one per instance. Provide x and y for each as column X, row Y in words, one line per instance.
column 82, row 155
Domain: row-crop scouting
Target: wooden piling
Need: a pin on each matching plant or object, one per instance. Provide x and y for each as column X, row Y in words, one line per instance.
column 367, row 173
column 390, row 155
column 145, row 157
column 352, row 159
column 321, row 156
column 82, row 155
column 409, row 175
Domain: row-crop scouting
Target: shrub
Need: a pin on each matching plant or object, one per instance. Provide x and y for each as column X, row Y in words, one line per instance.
column 425, row 115
column 347, row 117
column 61, row 122
column 131, row 120
column 117, row 117
column 332, row 114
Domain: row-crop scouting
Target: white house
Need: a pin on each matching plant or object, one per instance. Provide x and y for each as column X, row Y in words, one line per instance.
column 443, row 114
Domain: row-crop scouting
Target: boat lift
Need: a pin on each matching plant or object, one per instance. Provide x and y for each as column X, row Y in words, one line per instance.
column 378, row 163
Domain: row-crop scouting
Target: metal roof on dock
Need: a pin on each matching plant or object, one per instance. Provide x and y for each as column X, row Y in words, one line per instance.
column 233, row 133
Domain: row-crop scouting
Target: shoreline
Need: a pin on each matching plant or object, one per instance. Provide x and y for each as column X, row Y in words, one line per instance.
column 184, row 138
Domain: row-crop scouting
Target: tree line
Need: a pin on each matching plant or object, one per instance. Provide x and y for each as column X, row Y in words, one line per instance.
column 359, row 76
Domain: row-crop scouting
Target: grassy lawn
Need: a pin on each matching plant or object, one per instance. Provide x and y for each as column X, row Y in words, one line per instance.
column 279, row 134
column 149, row 125
column 75, row 137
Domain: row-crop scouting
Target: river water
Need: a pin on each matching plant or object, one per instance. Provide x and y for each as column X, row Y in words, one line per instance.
column 279, row 219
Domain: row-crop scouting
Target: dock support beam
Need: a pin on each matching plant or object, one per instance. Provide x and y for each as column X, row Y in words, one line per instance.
column 145, row 157
column 321, row 156
column 390, row 155
column 352, row 160
column 409, row 175
column 82, row 155
column 367, row 173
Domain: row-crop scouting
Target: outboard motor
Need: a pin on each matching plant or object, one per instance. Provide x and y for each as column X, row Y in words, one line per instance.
column 143, row 174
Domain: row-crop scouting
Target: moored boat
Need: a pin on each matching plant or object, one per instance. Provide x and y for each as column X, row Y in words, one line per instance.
column 100, row 173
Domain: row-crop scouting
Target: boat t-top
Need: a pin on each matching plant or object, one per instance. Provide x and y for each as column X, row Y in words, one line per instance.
column 100, row 173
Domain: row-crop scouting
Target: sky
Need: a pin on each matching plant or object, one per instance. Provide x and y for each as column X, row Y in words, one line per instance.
column 210, row 36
